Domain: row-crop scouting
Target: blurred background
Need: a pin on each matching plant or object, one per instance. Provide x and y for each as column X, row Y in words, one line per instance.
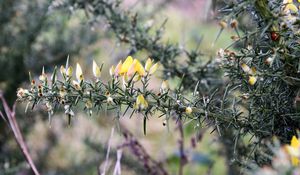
column 35, row 34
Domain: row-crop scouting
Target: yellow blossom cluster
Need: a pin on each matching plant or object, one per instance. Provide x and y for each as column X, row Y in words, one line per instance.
column 133, row 67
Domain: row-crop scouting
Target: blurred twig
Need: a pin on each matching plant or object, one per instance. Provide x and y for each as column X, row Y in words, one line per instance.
column 107, row 153
column 182, row 156
column 11, row 118
column 152, row 166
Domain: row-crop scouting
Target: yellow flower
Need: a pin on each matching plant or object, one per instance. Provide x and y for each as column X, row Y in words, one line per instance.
column 66, row 71
column 153, row 68
column 69, row 71
column 141, row 103
column 148, row 64
column 252, row 80
column 96, row 70
column 79, row 74
column 139, row 68
column 293, row 150
column 130, row 67
column 131, row 70
column 62, row 70
column 188, row 110
column 125, row 66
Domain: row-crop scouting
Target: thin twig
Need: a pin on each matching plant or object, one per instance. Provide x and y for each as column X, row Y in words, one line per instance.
column 117, row 170
column 108, row 151
column 10, row 113
column 183, row 158
column 152, row 166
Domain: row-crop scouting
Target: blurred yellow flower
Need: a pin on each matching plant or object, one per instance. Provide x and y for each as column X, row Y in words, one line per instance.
column 96, row 70
column 290, row 6
column 252, row 80
column 293, row 150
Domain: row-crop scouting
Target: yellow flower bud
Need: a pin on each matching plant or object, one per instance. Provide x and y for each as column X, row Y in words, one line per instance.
column 79, row 74
column 148, row 64
column 109, row 99
column 69, row 71
column 118, row 68
column 245, row 68
column 234, row 23
column 112, row 71
column 62, row 70
column 141, row 103
column 88, row 104
column 153, row 68
column 223, row 24
column 43, row 76
column 269, row 60
column 96, row 70
column 188, row 110
column 252, row 80
column 164, row 86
